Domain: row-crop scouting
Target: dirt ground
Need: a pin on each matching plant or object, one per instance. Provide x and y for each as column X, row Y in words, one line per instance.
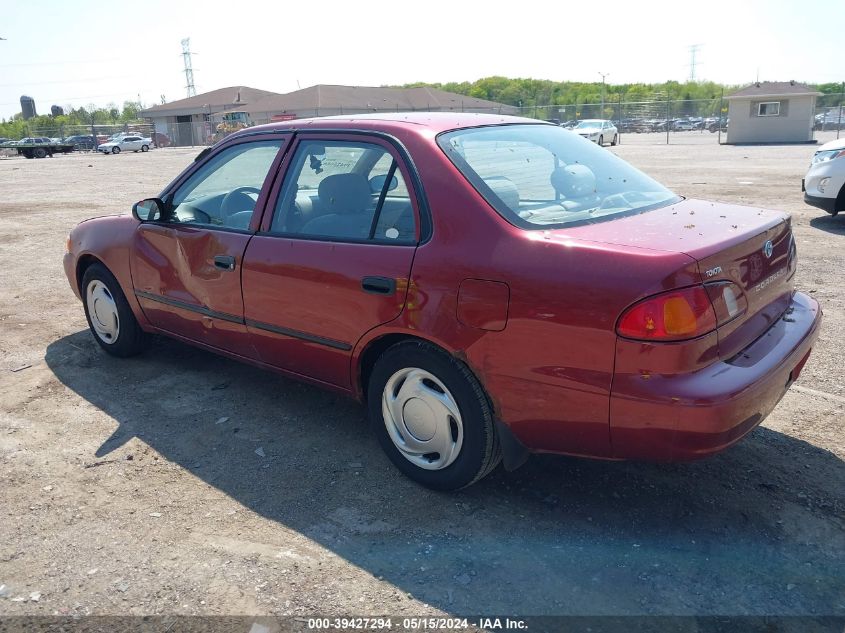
column 125, row 491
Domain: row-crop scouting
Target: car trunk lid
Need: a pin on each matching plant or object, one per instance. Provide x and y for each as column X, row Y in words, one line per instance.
column 745, row 255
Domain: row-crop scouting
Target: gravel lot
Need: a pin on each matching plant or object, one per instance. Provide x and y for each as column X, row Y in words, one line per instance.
column 134, row 486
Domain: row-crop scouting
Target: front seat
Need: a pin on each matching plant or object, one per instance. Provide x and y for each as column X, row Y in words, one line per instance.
column 347, row 203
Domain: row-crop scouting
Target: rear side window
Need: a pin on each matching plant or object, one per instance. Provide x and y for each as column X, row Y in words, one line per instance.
column 346, row 191
column 542, row 176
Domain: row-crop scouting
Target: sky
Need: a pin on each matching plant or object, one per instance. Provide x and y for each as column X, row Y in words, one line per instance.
column 91, row 52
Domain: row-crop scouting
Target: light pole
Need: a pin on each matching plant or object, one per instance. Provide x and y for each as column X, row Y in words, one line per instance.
column 603, row 75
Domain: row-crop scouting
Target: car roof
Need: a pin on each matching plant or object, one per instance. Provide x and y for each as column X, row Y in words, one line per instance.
column 423, row 123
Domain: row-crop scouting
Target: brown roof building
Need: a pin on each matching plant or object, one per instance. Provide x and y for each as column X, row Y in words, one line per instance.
column 189, row 121
column 231, row 98
column 194, row 121
column 327, row 100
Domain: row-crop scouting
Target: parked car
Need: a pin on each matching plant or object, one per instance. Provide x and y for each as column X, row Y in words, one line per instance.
column 831, row 120
column 161, row 140
column 824, row 184
column 81, row 141
column 38, row 140
column 488, row 286
column 642, row 125
column 716, row 124
column 4, row 140
column 597, row 130
column 126, row 143
column 682, row 125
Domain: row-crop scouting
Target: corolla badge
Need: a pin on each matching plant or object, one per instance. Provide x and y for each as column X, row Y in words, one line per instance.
column 767, row 249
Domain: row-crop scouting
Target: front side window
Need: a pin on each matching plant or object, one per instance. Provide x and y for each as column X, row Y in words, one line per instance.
column 542, row 176
column 223, row 192
column 769, row 108
column 345, row 190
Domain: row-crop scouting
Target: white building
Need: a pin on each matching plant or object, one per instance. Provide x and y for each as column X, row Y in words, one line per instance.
column 771, row 112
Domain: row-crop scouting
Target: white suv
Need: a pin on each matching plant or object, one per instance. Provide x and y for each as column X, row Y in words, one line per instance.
column 824, row 184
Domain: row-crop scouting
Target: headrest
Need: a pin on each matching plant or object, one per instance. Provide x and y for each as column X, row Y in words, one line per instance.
column 344, row 193
column 574, row 181
column 505, row 189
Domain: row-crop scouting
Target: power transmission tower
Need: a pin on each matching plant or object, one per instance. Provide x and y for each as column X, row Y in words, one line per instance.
column 189, row 70
column 693, row 50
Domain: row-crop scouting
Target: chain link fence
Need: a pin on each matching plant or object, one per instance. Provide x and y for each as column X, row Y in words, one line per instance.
column 663, row 119
column 87, row 137
column 659, row 120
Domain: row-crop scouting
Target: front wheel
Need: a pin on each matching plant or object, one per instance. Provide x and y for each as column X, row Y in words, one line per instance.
column 615, row 139
column 601, row 141
column 432, row 417
column 109, row 316
column 145, row 148
column 115, row 150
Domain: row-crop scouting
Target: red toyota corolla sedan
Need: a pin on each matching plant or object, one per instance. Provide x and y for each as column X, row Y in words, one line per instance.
column 489, row 287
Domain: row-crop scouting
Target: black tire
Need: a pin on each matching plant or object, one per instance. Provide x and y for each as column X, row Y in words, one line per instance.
column 615, row 140
column 480, row 451
column 145, row 148
column 131, row 339
column 601, row 141
column 115, row 150
column 40, row 152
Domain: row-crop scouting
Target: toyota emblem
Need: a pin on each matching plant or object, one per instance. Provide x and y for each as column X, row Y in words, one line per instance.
column 767, row 249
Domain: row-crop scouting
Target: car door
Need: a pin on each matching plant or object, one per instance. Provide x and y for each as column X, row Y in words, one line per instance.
column 334, row 254
column 186, row 268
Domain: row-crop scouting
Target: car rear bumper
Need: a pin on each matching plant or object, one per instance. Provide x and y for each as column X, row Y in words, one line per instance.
column 689, row 416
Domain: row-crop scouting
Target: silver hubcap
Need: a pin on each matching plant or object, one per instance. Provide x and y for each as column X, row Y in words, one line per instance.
column 103, row 312
column 422, row 418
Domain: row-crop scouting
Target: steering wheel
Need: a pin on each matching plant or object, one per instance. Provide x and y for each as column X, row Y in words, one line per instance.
column 237, row 200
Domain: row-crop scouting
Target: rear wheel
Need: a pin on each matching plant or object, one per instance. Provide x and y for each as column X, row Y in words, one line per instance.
column 601, row 141
column 432, row 417
column 115, row 150
column 615, row 139
column 109, row 316
column 40, row 152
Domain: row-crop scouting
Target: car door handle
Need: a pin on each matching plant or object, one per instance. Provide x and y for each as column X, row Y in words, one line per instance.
column 224, row 262
column 378, row 285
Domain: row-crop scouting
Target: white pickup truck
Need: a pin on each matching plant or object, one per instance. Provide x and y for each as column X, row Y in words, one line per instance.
column 125, row 144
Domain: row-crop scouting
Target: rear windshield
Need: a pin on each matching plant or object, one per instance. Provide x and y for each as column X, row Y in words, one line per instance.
column 543, row 176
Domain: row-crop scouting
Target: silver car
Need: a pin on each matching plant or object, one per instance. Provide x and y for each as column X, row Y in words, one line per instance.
column 126, row 143
column 598, row 131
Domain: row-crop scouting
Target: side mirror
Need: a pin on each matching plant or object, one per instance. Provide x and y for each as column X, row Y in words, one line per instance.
column 149, row 210
column 377, row 183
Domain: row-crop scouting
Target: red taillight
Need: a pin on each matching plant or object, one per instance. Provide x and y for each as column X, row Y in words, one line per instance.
column 671, row 316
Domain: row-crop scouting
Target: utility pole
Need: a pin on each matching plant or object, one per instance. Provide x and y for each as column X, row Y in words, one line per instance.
column 603, row 75
column 189, row 70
